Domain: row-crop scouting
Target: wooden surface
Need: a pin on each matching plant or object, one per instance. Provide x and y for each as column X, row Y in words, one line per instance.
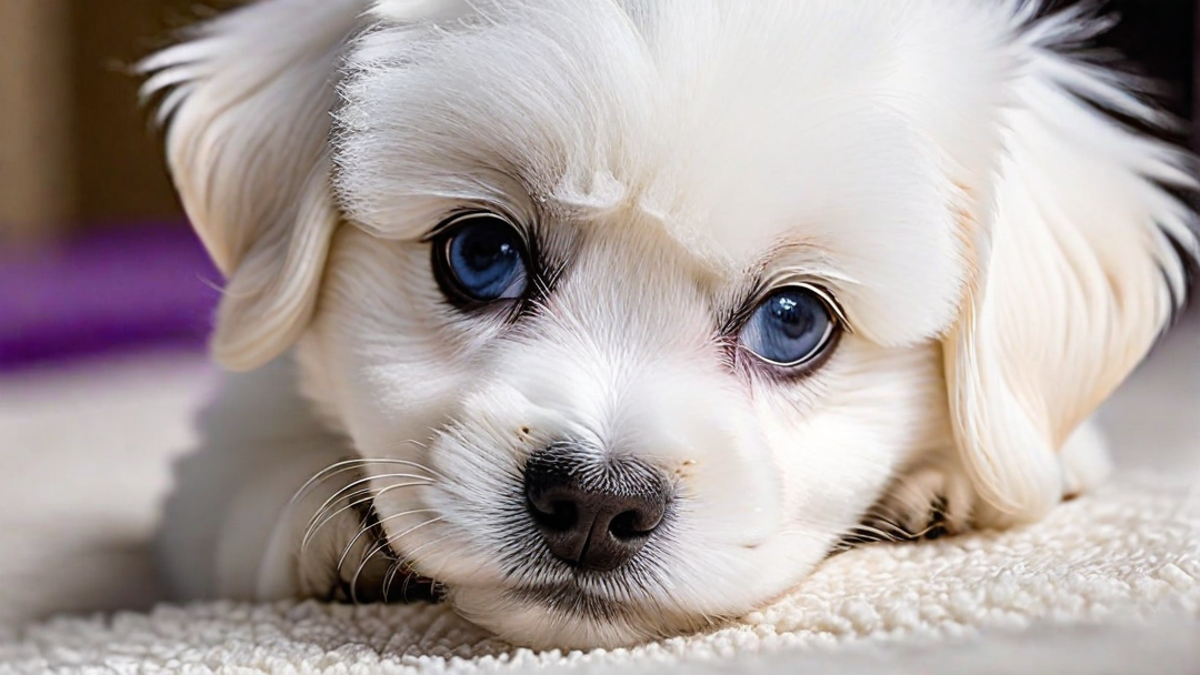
column 76, row 149
column 121, row 173
column 36, row 154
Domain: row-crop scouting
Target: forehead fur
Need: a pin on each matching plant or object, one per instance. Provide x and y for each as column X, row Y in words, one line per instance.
column 848, row 127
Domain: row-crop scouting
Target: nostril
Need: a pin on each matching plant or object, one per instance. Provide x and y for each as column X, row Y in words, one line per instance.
column 557, row 515
column 624, row 526
column 638, row 519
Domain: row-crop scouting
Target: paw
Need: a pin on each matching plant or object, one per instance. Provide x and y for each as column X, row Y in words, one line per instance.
column 935, row 496
column 930, row 500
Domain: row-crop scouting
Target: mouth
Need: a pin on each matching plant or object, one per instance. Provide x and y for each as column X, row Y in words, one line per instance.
column 569, row 599
column 387, row 576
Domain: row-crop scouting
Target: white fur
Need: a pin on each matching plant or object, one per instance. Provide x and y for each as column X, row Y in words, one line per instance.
column 999, row 249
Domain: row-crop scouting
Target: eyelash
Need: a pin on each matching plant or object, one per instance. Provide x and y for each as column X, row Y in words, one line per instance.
column 760, row 291
column 732, row 325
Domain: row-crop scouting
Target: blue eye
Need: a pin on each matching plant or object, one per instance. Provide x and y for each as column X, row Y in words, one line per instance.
column 790, row 328
column 481, row 258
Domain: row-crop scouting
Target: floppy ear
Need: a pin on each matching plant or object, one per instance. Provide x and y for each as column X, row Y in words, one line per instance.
column 1076, row 272
column 247, row 102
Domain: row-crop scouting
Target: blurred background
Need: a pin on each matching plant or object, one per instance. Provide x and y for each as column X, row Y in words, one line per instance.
column 95, row 255
column 106, row 298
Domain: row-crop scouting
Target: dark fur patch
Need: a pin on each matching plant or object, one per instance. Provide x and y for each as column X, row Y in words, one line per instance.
column 387, row 577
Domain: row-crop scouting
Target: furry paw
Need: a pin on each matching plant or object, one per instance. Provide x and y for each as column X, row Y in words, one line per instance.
column 928, row 501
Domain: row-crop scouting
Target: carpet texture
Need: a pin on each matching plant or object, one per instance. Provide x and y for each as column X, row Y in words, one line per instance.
column 1129, row 552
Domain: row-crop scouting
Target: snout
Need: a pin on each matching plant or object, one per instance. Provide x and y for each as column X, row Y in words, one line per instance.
column 594, row 513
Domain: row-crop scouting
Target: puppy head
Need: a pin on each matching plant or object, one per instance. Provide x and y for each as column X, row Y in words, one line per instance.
column 660, row 299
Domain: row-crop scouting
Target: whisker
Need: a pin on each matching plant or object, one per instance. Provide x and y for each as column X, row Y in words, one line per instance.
column 311, row 528
column 370, row 495
column 866, row 533
column 379, row 548
column 355, row 463
column 344, row 491
column 367, row 479
column 412, row 529
column 407, row 564
column 386, row 540
column 389, row 540
column 390, row 577
column 404, row 589
column 325, row 473
column 411, row 441
column 411, row 555
column 880, row 528
column 417, row 465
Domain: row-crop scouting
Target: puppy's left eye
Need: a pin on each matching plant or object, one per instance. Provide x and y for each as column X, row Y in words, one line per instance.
column 790, row 328
column 480, row 257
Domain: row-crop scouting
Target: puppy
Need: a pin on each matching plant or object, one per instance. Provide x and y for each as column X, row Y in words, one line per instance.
column 607, row 320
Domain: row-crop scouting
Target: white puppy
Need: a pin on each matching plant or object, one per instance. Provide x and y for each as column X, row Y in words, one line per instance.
column 615, row 317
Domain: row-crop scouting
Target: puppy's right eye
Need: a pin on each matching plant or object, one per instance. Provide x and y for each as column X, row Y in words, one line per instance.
column 479, row 258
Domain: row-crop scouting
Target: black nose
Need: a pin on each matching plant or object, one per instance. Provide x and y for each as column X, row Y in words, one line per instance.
column 593, row 514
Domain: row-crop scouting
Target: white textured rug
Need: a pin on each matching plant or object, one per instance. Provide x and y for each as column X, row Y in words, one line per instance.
column 1129, row 552
column 1107, row 584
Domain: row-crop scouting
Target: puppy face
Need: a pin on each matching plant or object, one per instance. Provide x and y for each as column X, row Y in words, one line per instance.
column 630, row 389
column 651, row 302
column 661, row 342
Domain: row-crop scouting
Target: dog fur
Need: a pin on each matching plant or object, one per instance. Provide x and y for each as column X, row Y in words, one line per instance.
column 1003, row 248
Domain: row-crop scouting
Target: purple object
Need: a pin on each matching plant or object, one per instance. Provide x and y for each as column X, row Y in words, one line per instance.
column 145, row 286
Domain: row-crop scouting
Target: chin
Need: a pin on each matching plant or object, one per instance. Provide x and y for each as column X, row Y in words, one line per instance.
column 610, row 321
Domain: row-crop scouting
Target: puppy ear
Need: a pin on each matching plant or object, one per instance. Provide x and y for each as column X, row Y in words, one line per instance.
column 1077, row 273
column 247, row 102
